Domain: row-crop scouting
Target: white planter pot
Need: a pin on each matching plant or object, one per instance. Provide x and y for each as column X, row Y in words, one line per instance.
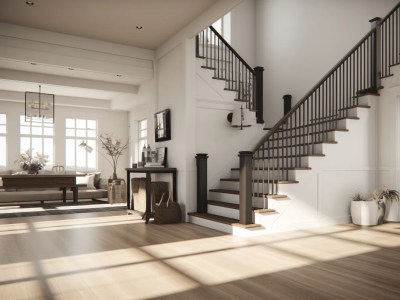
column 392, row 213
column 365, row 213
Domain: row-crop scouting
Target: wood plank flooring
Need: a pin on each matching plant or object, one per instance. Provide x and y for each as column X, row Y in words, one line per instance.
column 111, row 255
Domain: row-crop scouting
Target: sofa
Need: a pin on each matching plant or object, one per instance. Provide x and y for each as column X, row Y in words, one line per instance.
column 93, row 187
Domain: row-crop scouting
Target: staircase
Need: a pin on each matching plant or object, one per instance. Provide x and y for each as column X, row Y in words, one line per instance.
column 322, row 138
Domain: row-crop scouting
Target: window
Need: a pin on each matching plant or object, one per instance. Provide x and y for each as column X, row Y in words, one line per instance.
column 3, row 140
column 142, row 139
column 223, row 26
column 37, row 135
column 79, row 132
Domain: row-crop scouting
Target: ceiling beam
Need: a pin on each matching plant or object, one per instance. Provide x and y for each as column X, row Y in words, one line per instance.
column 66, row 81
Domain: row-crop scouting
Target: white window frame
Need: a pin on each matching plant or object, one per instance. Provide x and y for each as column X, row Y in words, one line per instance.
column 3, row 140
column 142, row 136
column 37, row 125
column 84, row 134
column 225, row 29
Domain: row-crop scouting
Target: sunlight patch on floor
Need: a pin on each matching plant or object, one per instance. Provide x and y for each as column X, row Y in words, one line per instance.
column 55, row 225
column 190, row 247
column 236, row 264
column 139, row 281
column 16, row 228
column 323, row 248
column 96, row 260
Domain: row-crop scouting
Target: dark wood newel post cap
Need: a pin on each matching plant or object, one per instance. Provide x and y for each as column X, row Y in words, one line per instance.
column 375, row 19
column 202, row 155
column 245, row 153
column 259, row 69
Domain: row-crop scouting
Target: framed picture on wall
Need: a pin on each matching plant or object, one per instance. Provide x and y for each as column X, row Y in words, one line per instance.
column 162, row 125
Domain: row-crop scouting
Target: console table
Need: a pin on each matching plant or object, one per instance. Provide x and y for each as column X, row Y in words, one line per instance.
column 148, row 172
column 42, row 181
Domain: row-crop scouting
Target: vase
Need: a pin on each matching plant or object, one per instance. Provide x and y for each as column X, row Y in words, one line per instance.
column 32, row 172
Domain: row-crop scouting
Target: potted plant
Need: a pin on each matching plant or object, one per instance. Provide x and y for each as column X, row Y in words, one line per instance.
column 391, row 199
column 114, row 148
column 366, row 212
column 30, row 163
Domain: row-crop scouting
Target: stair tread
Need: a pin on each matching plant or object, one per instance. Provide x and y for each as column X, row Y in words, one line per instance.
column 265, row 210
column 301, row 145
column 276, row 196
column 290, row 156
column 225, row 191
column 291, row 169
column 355, row 106
column 215, row 218
column 326, row 120
column 258, row 180
column 240, row 100
column 209, row 68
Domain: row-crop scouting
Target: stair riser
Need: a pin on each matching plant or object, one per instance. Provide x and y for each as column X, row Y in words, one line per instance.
column 266, row 220
column 223, row 211
column 287, row 149
column 210, row 224
column 234, row 185
column 259, row 174
column 228, row 198
column 310, row 138
column 219, row 85
column 314, row 126
column 299, row 162
column 279, row 204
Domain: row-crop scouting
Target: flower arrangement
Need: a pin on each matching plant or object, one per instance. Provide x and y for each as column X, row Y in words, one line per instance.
column 30, row 163
column 113, row 148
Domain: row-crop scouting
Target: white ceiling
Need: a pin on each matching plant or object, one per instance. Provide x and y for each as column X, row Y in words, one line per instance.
column 112, row 21
column 107, row 20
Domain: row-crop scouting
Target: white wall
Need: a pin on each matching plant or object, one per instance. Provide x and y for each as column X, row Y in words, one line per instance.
column 243, row 31
column 175, row 75
column 111, row 122
column 389, row 131
column 299, row 41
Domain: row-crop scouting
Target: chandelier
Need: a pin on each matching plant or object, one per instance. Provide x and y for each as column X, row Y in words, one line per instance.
column 39, row 107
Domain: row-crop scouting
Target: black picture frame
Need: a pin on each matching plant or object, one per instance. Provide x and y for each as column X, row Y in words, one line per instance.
column 162, row 156
column 162, row 125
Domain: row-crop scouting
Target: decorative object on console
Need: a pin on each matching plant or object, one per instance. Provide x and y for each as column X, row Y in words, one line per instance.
column 30, row 163
column 162, row 156
column 39, row 107
column 162, row 125
column 239, row 118
column 58, row 170
column 114, row 148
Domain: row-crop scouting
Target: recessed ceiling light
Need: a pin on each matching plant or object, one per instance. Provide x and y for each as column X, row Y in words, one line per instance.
column 139, row 27
column 29, row 3
column 71, row 69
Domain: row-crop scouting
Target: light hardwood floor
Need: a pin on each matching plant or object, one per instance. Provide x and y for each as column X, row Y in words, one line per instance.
column 111, row 255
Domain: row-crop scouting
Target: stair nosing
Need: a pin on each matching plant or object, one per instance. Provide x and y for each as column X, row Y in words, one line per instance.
column 215, row 218
column 260, row 180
